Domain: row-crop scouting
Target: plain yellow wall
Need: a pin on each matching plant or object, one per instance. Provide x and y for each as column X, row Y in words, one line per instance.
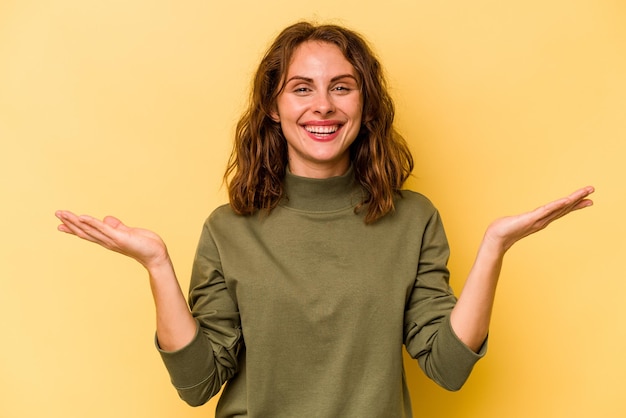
column 128, row 108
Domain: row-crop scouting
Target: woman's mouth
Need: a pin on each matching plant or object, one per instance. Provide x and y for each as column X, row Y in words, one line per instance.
column 322, row 132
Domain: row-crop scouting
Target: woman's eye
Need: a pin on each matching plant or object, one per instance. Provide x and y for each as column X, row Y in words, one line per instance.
column 342, row 89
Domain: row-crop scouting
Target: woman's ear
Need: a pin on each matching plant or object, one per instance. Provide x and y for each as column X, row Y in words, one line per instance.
column 275, row 116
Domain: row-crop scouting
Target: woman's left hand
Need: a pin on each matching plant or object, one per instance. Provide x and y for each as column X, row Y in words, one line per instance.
column 505, row 232
column 472, row 314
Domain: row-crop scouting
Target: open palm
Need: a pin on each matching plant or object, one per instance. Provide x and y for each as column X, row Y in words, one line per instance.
column 506, row 231
column 141, row 244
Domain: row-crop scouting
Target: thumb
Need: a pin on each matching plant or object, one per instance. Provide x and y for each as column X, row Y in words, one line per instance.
column 112, row 221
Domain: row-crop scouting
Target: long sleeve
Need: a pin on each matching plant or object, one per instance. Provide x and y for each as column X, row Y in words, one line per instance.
column 199, row 370
column 428, row 336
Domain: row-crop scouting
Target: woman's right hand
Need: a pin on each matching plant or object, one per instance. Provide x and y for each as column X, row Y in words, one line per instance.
column 144, row 246
column 175, row 324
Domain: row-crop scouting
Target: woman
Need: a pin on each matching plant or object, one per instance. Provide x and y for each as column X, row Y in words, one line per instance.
column 306, row 285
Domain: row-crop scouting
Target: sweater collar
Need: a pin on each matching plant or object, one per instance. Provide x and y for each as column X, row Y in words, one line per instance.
column 320, row 195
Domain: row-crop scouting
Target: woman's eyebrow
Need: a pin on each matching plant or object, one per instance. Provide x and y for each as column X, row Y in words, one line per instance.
column 339, row 77
column 299, row 78
column 310, row 80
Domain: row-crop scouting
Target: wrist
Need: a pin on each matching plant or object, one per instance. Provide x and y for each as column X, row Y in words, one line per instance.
column 493, row 247
column 158, row 264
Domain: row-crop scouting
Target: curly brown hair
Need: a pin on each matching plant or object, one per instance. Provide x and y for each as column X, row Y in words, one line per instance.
column 381, row 158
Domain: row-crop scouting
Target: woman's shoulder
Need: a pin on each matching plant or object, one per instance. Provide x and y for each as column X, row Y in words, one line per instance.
column 225, row 218
column 222, row 213
column 415, row 200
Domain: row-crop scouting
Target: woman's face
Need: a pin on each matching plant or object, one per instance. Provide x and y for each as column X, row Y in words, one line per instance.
column 319, row 110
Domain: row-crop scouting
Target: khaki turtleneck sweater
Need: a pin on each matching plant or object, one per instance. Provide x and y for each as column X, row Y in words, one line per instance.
column 304, row 312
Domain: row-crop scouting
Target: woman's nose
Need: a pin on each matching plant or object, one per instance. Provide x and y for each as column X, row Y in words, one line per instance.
column 324, row 104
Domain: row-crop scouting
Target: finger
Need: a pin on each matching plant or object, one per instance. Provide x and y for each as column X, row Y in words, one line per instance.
column 109, row 226
column 583, row 192
column 64, row 228
column 69, row 222
column 74, row 226
column 113, row 221
column 583, row 204
column 84, row 227
column 561, row 207
column 101, row 232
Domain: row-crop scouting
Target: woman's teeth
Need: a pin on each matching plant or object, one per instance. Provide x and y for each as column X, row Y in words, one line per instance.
column 322, row 130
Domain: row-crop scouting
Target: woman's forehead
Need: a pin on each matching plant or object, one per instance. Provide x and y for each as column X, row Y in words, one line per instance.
column 318, row 58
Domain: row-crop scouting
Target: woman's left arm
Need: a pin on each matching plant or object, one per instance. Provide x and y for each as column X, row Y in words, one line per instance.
column 471, row 316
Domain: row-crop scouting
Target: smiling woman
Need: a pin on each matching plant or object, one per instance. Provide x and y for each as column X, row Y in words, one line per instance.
column 295, row 76
column 305, row 287
column 319, row 110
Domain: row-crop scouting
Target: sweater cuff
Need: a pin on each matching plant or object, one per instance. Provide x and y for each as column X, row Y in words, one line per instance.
column 192, row 364
column 459, row 349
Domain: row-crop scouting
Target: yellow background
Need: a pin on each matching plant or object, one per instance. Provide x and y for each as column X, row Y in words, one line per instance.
column 128, row 108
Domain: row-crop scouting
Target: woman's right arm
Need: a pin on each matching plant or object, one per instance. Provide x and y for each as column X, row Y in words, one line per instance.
column 175, row 325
